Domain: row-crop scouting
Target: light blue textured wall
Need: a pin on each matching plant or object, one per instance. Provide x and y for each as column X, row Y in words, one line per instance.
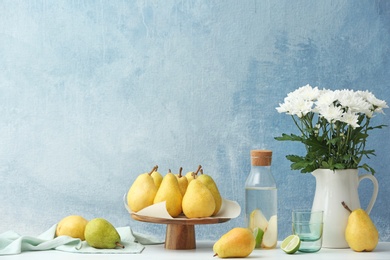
column 93, row 93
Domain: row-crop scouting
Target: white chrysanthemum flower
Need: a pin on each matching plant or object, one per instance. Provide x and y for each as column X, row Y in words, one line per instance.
column 325, row 98
column 301, row 107
column 306, row 93
column 377, row 104
column 283, row 108
column 330, row 113
column 353, row 102
column 350, row 119
column 294, row 105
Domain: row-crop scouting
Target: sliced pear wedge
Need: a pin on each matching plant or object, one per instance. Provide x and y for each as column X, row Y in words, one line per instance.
column 270, row 237
column 257, row 220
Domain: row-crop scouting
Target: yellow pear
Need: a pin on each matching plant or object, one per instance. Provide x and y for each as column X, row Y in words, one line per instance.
column 212, row 186
column 360, row 233
column 198, row 201
column 192, row 175
column 72, row 226
column 183, row 182
column 169, row 192
column 142, row 192
column 157, row 177
column 238, row 242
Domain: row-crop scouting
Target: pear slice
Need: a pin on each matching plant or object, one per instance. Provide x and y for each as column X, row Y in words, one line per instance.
column 257, row 220
column 270, row 237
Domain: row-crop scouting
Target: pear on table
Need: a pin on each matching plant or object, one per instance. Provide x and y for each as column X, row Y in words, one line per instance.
column 360, row 233
column 142, row 192
column 101, row 234
column 169, row 192
column 73, row 226
column 238, row 242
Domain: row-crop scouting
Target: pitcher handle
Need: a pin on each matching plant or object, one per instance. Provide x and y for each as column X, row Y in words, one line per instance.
column 374, row 192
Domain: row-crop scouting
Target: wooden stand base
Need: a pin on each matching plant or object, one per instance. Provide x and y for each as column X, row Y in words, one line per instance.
column 180, row 233
column 179, row 236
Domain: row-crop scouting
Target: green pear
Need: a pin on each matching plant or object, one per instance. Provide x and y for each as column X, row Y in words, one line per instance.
column 169, row 192
column 360, row 233
column 212, row 186
column 142, row 192
column 99, row 233
column 157, row 177
column 192, row 175
column 198, row 201
column 238, row 242
column 183, row 182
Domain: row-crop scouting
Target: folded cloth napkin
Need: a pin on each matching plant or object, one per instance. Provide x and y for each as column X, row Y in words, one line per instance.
column 12, row 243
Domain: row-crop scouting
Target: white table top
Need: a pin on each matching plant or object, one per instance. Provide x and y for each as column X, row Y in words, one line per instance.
column 204, row 251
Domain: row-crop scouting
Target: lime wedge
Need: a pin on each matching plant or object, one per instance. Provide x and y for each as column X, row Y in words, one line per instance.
column 258, row 234
column 290, row 244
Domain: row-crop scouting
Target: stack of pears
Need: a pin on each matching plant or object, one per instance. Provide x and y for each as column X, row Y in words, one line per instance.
column 196, row 196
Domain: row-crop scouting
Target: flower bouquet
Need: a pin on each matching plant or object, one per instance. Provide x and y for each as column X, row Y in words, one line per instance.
column 333, row 126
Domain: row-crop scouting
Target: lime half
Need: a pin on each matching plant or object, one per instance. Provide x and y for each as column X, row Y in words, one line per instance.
column 290, row 244
column 258, row 234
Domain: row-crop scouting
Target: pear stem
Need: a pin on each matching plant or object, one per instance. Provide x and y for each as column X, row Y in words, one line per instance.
column 199, row 167
column 215, row 255
column 180, row 171
column 153, row 170
column 119, row 245
column 169, row 171
column 346, row 207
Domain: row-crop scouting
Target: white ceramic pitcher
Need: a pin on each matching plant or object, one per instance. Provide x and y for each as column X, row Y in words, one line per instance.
column 333, row 187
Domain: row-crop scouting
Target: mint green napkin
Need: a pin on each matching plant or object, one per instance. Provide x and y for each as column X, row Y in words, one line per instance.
column 12, row 243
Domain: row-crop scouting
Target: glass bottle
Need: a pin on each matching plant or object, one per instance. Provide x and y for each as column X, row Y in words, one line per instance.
column 261, row 200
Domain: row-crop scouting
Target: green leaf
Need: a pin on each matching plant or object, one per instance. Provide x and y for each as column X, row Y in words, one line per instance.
column 291, row 137
column 368, row 168
column 295, row 158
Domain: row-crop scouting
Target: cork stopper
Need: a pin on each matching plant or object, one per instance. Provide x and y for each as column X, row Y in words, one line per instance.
column 261, row 157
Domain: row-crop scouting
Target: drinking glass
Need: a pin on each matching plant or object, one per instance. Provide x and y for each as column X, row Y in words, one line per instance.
column 308, row 226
